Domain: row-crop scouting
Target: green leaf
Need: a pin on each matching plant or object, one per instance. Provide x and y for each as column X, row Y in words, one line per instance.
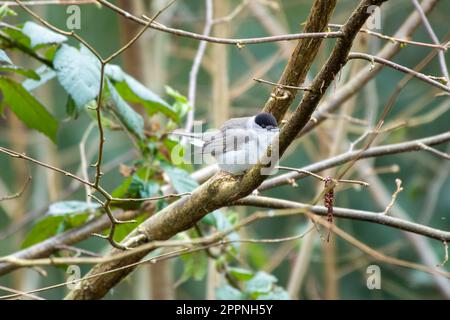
column 122, row 230
column 227, row 292
column 180, row 179
column 130, row 118
column 262, row 282
column 141, row 189
column 16, row 36
column 133, row 91
column 27, row 108
column 181, row 104
column 40, row 35
column 71, row 207
column 60, row 217
column 221, row 222
column 4, row 59
column 277, row 293
column 5, row 11
column 241, row 273
column 45, row 228
column 195, row 266
column 79, row 74
column 114, row 73
column 7, row 65
column 45, row 74
column 71, row 108
column 24, row 72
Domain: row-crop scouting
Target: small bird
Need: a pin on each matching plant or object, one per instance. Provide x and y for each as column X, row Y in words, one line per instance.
column 239, row 144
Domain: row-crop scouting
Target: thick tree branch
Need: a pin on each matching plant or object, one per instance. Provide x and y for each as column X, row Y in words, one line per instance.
column 223, row 188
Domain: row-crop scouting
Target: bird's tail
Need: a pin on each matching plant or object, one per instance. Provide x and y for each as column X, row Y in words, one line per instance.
column 193, row 138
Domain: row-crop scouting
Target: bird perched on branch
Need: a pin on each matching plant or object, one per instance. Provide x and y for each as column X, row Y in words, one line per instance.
column 238, row 145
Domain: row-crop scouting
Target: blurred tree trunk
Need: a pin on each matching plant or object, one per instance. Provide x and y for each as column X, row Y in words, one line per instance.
column 221, row 93
column 147, row 62
column 18, row 137
column 132, row 57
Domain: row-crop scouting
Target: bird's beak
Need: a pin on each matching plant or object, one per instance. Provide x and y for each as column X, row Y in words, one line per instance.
column 271, row 128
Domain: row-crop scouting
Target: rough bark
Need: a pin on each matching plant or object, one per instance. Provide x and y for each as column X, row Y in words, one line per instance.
column 223, row 189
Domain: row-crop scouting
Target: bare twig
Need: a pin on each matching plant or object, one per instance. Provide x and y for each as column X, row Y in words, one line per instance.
column 19, row 193
column 399, row 189
column 49, row 2
column 233, row 14
column 349, row 156
column 435, row 39
column 238, row 42
column 396, row 40
column 282, row 86
column 398, row 67
column 323, row 179
column 445, row 243
column 438, row 153
column 196, row 65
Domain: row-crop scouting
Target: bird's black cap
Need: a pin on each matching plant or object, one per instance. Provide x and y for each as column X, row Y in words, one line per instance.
column 266, row 120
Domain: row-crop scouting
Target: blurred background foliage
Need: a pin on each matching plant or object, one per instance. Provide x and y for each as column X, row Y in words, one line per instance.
column 159, row 60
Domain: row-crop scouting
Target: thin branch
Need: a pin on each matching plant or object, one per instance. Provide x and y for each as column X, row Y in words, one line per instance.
column 398, row 67
column 281, row 86
column 323, row 179
column 374, row 217
column 435, row 39
column 438, row 153
column 445, row 243
column 18, row 155
column 399, row 189
column 360, row 79
column 233, row 14
column 350, row 156
column 20, row 293
column 396, row 40
column 193, row 74
column 238, row 42
column 19, row 193
column 49, row 2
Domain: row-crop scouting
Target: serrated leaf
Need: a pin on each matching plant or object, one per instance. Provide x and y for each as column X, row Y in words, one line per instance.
column 45, row 74
column 180, row 179
column 78, row 73
column 227, row 292
column 45, row 228
column 27, row 108
column 40, row 35
column 71, row 207
column 133, row 91
column 132, row 120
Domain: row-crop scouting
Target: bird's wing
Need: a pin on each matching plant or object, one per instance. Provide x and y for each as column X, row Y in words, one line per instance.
column 195, row 139
column 231, row 139
column 235, row 123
